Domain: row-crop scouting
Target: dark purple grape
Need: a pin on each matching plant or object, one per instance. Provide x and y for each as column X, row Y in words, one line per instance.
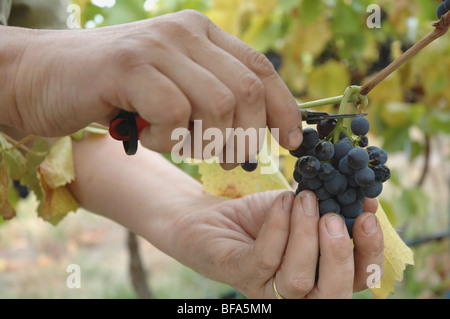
column 374, row 190
column 360, row 126
column 358, row 158
column 310, row 138
column 324, row 151
column 325, row 127
column 329, row 206
column 365, row 177
column 250, row 165
column 308, row 166
column 337, row 184
column 342, row 147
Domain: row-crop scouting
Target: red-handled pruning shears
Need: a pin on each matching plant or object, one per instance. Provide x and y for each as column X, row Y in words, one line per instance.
column 127, row 126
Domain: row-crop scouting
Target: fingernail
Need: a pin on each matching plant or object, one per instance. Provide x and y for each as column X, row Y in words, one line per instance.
column 369, row 225
column 309, row 204
column 295, row 137
column 287, row 201
column 335, row 226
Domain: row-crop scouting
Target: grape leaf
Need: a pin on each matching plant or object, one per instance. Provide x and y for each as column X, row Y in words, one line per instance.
column 34, row 159
column 396, row 256
column 58, row 169
column 237, row 183
column 57, row 202
column 6, row 210
column 54, row 173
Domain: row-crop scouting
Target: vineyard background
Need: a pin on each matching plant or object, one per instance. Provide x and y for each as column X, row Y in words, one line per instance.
column 319, row 47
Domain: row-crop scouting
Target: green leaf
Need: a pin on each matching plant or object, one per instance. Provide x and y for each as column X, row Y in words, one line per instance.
column 15, row 162
column 6, row 210
column 34, row 159
column 310, row 10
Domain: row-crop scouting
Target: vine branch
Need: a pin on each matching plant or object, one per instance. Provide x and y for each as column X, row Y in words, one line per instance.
column 441, row 28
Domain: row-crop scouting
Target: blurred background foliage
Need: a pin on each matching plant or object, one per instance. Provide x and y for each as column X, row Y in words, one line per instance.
column 319, row 48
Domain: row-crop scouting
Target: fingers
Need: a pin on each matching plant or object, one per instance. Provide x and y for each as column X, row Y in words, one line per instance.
column 282, row 109
column 264, row 257
column 369, row 251
column 336, row 266
column 170, row 109
column 297, row 273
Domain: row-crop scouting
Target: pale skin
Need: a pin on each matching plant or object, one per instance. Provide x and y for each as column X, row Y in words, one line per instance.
column 56, row 82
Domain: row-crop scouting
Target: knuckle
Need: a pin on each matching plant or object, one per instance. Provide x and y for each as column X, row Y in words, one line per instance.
column 123, row 55
column 252, row 89
column 196, row 15
column 177, row 114
column 300, row 285
column 267, row 264
column 224, row 103
column 260, row 64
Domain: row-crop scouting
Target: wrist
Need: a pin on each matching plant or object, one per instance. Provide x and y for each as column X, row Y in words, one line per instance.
column 14, row 42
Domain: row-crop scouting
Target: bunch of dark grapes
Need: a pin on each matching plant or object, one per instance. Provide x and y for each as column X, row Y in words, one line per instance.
column 341, row 173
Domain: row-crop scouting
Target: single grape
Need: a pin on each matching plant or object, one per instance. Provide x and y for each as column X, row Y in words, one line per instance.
column 322, row 193
column 250, row 165
column 347, row 197
column 358, row 158
column 337, row 184
column 360, row 126
column 365, row 177
column 325, row 127
column 344, row 167
column 324, row 151
column 301, row 187
column 313, row 183
column 326, row 171
column 374, row 190
column 382, row 173
column 363, row 141
column 329, row 206
column 353, row 210
column 377, row 155
column 441, row 10
column 342, row 147
column 310, row 138
column 308, row 166
column 299, row 152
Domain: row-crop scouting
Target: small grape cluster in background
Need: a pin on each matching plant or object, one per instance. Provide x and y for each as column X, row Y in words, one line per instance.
column 341, row 173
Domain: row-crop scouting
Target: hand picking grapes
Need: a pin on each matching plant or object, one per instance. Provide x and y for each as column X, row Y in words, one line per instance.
column 316, row 241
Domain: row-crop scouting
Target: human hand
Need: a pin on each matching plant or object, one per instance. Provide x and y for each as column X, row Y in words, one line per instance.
column 249, row 242
column 171, row 70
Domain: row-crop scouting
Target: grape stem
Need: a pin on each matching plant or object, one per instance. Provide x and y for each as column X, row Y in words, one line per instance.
column 441, row 28
column 20, row 144
column 354, row 97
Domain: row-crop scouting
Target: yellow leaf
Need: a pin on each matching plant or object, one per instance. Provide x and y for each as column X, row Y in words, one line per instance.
column 329, row 79
column 237, row 183
column 396, row 256
column 58, row 169
column 57, row 202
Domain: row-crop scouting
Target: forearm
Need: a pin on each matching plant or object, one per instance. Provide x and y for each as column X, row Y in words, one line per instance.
column 12, row 46
column 144, row 193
